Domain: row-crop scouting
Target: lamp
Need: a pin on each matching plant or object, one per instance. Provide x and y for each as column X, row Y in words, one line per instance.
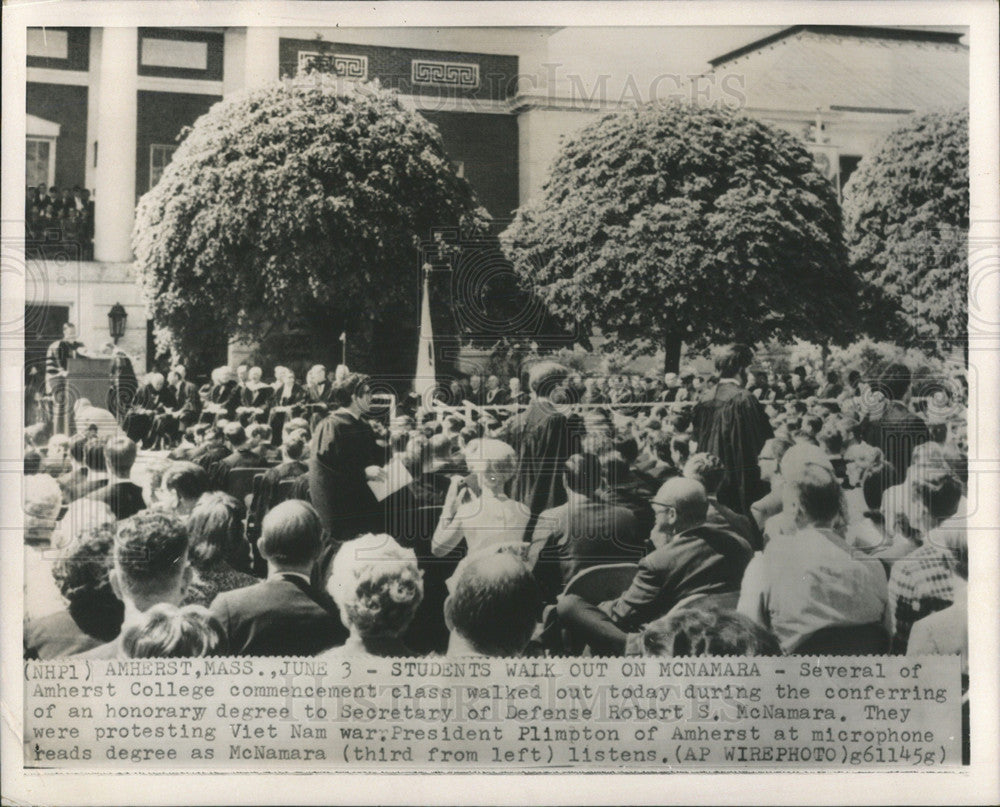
column 117, row 317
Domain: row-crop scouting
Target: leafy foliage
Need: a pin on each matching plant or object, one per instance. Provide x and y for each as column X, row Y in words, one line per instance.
column 297, row 209
column 673, row 222
column 906, row 221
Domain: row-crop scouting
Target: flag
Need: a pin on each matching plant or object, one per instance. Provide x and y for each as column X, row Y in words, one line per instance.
column 425, row 378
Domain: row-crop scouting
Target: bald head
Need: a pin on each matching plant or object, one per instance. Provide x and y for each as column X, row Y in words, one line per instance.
column 682, row 503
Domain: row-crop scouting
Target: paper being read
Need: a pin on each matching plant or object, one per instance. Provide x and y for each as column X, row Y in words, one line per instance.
column 395, row 477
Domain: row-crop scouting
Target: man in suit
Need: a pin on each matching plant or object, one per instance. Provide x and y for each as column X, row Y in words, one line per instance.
column 242, row 456
column 690, row 557
column 291, row 466
column 150, row 567
column 583, row 532
column 213, row 448
column 122, row 495
column 709, row 471
column 285, row 615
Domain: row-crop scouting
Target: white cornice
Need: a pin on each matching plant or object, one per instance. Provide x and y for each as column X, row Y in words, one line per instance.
column 49, row 75
column 193, row 86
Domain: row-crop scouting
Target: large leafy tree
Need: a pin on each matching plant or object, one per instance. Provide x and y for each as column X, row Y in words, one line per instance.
column 906, row 222
column 673, row 223
column 295, row 211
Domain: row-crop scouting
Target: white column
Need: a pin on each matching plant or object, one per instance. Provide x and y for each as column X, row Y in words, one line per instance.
column 261, row 63
column 116, row 137
column 93, row 105
column 234, row 60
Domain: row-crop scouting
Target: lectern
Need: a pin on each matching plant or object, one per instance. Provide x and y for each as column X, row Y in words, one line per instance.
column 88, row 378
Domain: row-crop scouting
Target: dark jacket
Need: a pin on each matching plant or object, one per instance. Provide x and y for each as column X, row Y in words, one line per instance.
column 281, row 616
column 577, row 535
column 701, row 560
column 342, row 448
column 897, row 432
column 124, row 498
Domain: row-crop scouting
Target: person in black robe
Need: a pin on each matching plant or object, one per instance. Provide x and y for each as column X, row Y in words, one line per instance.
column 544, row 438
column 185, row 412
column 289, row 401
column 255, row 399
column 154, row 398
column 341, row 457
column 124, row 385
column 223, row 398
column 731, row 423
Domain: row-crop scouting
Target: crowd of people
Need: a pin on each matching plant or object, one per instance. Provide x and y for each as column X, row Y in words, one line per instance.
column 64, row 216
column 726, row 521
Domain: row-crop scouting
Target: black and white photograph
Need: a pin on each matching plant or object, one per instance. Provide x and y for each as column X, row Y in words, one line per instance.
column 414, row 394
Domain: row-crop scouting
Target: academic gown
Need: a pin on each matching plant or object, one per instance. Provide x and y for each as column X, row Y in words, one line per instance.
column 544, row 438
column 342, row 448
column 731, row 424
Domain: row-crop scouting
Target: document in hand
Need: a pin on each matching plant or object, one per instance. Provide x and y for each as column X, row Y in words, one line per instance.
column 395, row 477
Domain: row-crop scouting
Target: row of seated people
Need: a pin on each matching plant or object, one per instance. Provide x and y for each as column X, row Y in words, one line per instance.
column 806, row 578
column 163, row 407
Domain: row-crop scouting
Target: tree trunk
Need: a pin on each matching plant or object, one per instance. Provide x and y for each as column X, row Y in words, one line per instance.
column 672, row 353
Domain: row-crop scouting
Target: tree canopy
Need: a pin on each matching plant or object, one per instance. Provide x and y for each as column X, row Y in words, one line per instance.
column 298, row 209
column 671, row 223
column 906, row 221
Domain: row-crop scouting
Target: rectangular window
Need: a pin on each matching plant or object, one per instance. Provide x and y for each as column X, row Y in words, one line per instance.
column 159, row 157
column 40, row 165
column 47, row 43
column 174, row 53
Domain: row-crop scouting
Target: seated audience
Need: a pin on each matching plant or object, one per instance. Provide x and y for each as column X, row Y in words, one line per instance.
column 769, row 461
column 928, row 496
column 242, row 455
column 706, row 631
column 924, row 581
column 217, row 550
column 291, row 466
column 583, row 532
column 807, row 579
column 493, row 607
column 212, row 449
column 150, row 567
column 42, row 502
column 122, row 495
column 92, row 614
column 56, row 460
column 32, row 463
column 284, row 615
column 377, row 587
column 709, row 471
column 486, row 517
column 95, row 471
column 166, row 631
column 184, row 483
column 690, row 558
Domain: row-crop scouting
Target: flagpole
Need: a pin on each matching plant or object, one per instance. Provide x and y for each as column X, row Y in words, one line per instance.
column 425, row 377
